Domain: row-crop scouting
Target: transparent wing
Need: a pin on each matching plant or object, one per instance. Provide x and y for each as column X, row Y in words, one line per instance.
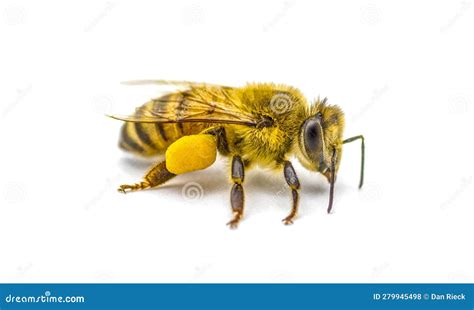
column 169, row 82
column 199, row 103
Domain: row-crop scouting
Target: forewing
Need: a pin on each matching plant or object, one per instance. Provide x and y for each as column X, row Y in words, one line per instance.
column 187, row 84
column 199, row 103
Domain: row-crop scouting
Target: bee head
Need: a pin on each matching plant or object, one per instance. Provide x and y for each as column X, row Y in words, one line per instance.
column 320, row 138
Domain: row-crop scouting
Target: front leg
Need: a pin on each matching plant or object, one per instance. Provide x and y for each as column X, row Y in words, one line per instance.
column 294, row 183
column 237, row 192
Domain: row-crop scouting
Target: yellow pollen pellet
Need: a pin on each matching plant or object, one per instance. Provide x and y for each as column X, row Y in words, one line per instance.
column 190, row 153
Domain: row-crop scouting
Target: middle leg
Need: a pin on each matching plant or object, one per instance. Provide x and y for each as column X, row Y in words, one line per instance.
column 294, row 183
column 237, row 192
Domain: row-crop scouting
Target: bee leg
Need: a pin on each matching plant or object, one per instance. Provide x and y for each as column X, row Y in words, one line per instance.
column 237, row 192
column 157, row 175
column 294, row 183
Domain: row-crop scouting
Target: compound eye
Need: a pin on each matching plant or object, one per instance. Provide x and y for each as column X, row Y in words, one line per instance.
column 312, row 134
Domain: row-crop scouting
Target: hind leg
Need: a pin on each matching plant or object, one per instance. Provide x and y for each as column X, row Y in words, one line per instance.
column 157, row 175
column 188, row 153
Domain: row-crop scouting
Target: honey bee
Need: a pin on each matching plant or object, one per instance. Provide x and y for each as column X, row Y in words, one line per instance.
column 260, row 124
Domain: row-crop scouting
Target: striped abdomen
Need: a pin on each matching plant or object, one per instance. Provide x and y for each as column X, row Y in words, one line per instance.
column 149, row 139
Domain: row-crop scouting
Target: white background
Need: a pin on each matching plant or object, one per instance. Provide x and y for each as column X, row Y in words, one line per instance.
column 401, row 71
